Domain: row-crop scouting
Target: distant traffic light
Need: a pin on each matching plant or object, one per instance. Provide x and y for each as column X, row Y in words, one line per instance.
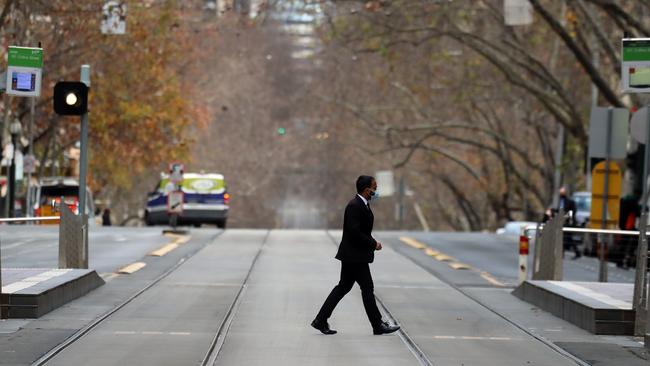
column 282, row 131
column 70, row 98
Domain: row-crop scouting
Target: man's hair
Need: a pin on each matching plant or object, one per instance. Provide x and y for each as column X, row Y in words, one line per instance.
column 363, row 182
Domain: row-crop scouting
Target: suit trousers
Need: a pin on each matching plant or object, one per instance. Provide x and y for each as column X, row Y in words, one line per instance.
column 350, row 273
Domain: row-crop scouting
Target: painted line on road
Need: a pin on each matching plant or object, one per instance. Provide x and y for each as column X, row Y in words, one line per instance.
column 488, row 277
column 444, row 258
column 459, row 265
column 131, row 268
column 164, row 250
column 131, row 332
column 97, row 321
column 412, row 242
column 178, row 240
column 18, row 243
column 108, row 276
column 451, row 261
column 559, row 350
column 431, row 252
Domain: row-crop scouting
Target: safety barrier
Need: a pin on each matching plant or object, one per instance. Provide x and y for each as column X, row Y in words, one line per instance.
column 548, row 262
column 73, row 240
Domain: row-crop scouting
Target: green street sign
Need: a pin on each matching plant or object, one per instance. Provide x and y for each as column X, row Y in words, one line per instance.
column 25, row 57
column 635, row 68
column 636, row 50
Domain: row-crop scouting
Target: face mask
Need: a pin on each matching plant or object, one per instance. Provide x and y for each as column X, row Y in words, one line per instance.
column 374, row 195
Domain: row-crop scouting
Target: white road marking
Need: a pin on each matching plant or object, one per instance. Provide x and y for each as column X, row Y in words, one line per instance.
column 594, row 295
column 131, row 332
column 17, row 244
column 33, row 280
column 107, row 277
column 476, row 338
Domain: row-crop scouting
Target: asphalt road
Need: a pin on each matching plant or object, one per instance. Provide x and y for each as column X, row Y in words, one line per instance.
column 109, row 247
column 246, row 297
column 498, row 255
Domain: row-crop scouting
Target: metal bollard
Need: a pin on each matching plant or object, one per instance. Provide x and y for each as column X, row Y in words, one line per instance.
column 72, row 240
column 523, row 255
column 549, row 250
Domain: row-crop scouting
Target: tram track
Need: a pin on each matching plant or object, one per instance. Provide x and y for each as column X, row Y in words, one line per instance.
column 410, row 344
column 473, row 298
column 210, row 357
column 81, row 333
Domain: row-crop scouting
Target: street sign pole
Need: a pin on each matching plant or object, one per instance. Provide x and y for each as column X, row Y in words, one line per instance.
column 646, row 162
column 29, row 211
column 639, row 301
column 602, row 273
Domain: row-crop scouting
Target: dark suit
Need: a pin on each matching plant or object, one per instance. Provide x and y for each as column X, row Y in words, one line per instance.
column 356, row 251
column 567, row 204
column 357, row 244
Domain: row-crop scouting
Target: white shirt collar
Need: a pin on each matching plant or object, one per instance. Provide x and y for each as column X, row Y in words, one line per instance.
column 365, row 201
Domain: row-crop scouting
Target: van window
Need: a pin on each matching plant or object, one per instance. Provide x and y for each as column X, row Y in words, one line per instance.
column 197, row 184
column 47, row 193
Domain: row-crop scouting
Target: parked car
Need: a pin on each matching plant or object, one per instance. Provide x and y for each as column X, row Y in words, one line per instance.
column 205, row 201
column 514, row 227
column 583, row 207
column 51, row 192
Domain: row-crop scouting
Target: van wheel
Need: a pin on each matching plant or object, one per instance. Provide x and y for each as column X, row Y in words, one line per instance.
column 147, row 220
column 221, row 224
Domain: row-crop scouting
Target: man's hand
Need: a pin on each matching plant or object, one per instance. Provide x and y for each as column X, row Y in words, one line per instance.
column 378, row 247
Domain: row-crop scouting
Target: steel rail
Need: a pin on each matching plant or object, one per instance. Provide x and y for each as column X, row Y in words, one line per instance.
column 88, row 328
column 210, row 357
column 410, row 344
column 535, row 336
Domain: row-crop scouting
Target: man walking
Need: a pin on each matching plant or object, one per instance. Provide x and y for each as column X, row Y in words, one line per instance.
column 356, row 251
column 569, row 206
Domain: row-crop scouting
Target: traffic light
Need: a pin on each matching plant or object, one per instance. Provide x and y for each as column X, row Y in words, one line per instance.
column 70, row 98
column 282, row 131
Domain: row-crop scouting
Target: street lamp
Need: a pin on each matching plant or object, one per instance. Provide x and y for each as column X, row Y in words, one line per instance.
column 15, row 128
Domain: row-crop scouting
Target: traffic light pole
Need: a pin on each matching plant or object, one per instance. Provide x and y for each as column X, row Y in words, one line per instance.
column 83, row 167
column 83, row 164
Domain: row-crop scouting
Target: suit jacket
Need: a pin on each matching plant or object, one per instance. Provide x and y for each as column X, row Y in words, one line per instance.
column 569, row 205
column 357, row 244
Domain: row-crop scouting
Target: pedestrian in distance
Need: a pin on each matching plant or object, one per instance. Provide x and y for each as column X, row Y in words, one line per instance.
column 106, row 217
column 356, row 252
column 568, row 206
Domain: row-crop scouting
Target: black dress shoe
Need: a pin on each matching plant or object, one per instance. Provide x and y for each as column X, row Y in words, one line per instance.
column 323, row 327
column 384, row 328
